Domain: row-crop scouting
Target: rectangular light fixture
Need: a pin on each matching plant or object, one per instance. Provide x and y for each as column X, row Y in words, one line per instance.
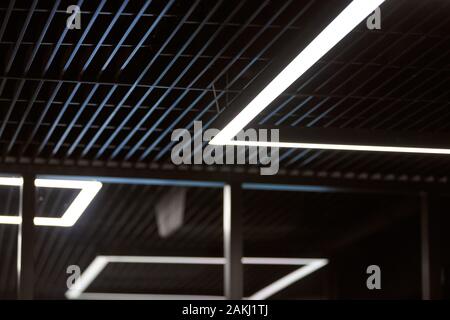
column 77, row 291
column 343, row 24
column 89, row 190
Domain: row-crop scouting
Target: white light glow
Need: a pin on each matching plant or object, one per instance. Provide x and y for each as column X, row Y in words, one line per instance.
column 289, row 279
column 87, row 277
column 11, row 181
column 344, row 147
column 10, row 220
column 227, row 211
column 168, row 260
column 279, row 261
column 89, row 190
column 343, row 24
column 142, row 296
column 99, row 263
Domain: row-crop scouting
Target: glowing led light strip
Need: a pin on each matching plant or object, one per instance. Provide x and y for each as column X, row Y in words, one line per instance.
column 100, row 262
column 289, row 279
column 89, row 190
column 345, row 22
column 344, row 147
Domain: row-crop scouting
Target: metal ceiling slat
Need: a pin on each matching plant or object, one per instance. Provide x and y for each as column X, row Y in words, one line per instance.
column 117, row 83
column 160, row 78
column 192, row 82
column 125, row 35
column 20, row 38
column 413, row 89
column 2, row 32
column 179, row 99
column 6, row 18
column 138, row 79
column 74, row 119
column 290, row 113
column 57, row 46
column 89, row 105
column 88, row 125
column 105, row 34
column 310, row 111
column 379, row 71
column 315, row 154
column 83, row 36
column 41, row 118
column 41, row 36
column 151, row 15
column 146, row 35
column 444, row 126
column 422, row 118
column 147, row 46
column 243, row 70
column 24, row 117
column 17, row 92
column 58, row 118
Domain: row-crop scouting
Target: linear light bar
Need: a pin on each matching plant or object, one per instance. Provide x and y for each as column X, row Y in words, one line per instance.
column 89, row 190
column 10, row 220
column 77, row 291
column 11, row 181
column 289, row 279
column 143, row 296
column 344, row 147
column 343, row 24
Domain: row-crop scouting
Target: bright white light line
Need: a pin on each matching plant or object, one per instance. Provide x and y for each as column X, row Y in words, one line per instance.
column 344, row 147
column 142, row 296
column 100, row 262
column 89, row 190
column 287, row 280
column 343, row 24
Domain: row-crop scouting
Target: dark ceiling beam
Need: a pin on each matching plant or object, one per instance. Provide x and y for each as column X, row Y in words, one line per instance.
column 430, row 248
column 286, row 182
column 26, row 239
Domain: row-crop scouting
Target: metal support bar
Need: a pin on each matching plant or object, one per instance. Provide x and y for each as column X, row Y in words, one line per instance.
column 431, row 266
column 25, row 263
column 232, row 236
column 331, row 280
column 297, row 182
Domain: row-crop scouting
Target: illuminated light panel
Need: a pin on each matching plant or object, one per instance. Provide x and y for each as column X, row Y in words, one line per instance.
column 89, row 190
column 77, row 291
column 343, row 24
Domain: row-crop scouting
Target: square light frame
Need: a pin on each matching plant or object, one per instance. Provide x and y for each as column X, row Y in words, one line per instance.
column 89, row 190
column 77, row 291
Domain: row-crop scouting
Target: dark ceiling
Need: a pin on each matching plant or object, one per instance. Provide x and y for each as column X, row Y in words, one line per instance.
column 110, row 95
column 114, row 90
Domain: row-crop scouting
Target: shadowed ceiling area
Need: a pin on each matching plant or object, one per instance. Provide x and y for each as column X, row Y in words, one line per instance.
column 113, row 91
